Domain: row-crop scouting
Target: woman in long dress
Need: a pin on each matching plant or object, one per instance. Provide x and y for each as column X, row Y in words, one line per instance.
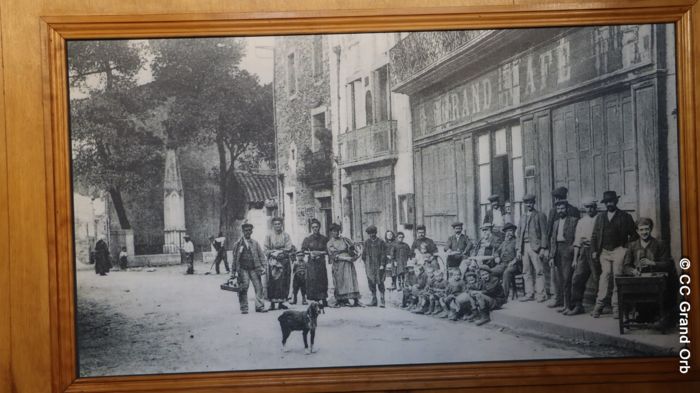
column 279, row 251
column 343, row 254
column 316, row 273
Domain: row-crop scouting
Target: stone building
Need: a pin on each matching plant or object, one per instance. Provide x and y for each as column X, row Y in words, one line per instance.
column 303, row 114
column 511, row 112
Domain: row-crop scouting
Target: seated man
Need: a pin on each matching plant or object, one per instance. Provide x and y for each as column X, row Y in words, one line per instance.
column 458, row 246
column 489, row 298
column 483, row 251
column 649, row 255
column 462, row 307
column 411, row 293
column 455, row 286
column 506, row 264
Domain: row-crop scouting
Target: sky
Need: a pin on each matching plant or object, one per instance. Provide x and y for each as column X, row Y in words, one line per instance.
column 257, row 60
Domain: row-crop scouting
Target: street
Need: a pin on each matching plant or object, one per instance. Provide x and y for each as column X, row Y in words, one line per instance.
column 162, row 321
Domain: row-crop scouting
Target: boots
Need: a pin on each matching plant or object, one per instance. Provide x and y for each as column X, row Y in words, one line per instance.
column 303, row 300
column 374, row 300
column 431, row 308
column 294, row 301
column 472, row 316
column 484, row 317
column 324, row 303
column 381, row 300
column 438, row 309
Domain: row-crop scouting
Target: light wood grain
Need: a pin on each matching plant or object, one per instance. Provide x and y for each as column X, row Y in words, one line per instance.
column 38, row 207
column 5, row 343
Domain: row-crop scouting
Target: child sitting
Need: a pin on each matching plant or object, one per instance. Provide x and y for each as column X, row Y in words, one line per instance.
column 455, row 286
column 462, row 305
column 486, row 299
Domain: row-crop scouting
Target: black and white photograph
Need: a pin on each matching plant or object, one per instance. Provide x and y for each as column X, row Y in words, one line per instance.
column 346, row 200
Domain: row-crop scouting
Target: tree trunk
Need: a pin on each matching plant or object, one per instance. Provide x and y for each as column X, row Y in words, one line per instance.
column 116, row 196
column 223, row 186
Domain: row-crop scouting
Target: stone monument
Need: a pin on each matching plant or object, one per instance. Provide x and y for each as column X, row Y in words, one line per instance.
column 173, row 205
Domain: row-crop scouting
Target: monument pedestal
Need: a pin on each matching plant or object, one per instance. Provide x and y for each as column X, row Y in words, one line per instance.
column 173, row 241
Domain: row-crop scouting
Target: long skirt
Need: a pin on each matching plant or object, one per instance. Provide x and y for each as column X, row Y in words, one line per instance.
column 316, row 279
column 278, row 288
column 345, row 277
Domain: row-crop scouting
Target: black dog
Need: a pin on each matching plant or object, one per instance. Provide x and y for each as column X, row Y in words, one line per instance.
column 300, row 320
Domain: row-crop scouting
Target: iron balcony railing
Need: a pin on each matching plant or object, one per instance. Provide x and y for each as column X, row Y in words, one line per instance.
column 375, row 142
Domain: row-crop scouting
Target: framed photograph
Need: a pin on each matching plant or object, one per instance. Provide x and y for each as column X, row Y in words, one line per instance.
column 356, row 200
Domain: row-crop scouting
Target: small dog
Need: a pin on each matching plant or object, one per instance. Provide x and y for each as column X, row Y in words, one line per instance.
column 300, row 320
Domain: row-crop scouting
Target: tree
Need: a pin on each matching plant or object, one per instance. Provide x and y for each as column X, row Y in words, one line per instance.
column 113, row 148
column 213, row 102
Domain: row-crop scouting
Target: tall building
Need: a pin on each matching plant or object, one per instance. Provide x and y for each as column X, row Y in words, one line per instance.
column 375, row 184
column 303, row 114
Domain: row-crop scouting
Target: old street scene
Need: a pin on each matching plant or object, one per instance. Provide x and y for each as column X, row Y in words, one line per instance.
column 408, row 198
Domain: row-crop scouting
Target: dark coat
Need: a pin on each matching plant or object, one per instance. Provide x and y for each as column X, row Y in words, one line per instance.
column 537, row 232
column 462, row 244
column 622, row 224
column 569, row 233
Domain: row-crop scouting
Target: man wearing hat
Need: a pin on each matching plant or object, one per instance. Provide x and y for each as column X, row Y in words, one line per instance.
column 188, row 251
column 559, row 195
column 560, row 258
column 374, row 254
column 494, row 214
column 612, row 231
column 487, row 242
column 532, row 243
column 248, row 266
column 582, row 264
column 506, row 262
column 458, row 246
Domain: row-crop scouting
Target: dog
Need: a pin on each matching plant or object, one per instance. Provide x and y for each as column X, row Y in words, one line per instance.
column 300, row 320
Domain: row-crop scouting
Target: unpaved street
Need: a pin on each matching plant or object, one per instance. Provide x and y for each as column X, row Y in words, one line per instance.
column 141, row 322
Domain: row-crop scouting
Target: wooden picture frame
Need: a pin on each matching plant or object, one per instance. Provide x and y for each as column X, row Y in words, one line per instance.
column 37, row 299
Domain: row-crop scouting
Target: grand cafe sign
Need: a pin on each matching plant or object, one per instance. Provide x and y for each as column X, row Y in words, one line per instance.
column 568, row 61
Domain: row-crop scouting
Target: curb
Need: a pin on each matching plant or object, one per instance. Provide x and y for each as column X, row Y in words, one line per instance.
column 547, row 328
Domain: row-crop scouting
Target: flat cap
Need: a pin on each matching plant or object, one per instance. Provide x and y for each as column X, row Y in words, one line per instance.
column 529, row 197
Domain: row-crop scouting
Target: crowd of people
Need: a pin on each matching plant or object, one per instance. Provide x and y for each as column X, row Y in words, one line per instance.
column 553, row 254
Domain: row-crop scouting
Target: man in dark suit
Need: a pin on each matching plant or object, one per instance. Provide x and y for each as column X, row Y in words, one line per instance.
column 532, row 244
column 559, row 194
column 458, row 246
column 612, row 231
column 561, row 254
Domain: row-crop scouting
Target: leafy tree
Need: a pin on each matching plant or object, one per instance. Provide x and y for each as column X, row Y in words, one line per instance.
column 113, row 147
column 213, row 102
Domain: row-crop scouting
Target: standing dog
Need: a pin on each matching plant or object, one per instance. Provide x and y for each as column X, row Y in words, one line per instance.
column 300, row 320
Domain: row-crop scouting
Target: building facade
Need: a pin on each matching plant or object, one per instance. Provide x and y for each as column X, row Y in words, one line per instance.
column 512, row 112
column 374, row 183
column 304, row 150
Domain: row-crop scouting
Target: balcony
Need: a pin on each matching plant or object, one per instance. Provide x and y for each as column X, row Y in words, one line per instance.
column 316, row 169
column 368, row 145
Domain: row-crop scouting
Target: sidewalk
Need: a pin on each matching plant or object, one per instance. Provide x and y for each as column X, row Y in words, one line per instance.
column 538, row 320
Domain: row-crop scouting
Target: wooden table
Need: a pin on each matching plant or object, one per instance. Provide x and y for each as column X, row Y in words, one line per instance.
column 634, row 290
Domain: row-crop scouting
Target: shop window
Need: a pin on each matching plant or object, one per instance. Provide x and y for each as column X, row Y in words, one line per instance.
column 484, row 163
column 518, row 172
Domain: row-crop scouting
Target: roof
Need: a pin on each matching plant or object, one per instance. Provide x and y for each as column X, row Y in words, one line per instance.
column 257, row 187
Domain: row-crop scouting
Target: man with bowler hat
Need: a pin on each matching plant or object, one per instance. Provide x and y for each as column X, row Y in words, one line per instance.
column 612, row 231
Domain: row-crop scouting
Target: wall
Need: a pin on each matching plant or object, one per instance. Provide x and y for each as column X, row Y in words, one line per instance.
column 293, row 124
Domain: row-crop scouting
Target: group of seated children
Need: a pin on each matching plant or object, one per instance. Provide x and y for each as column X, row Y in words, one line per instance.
column 472, row 287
